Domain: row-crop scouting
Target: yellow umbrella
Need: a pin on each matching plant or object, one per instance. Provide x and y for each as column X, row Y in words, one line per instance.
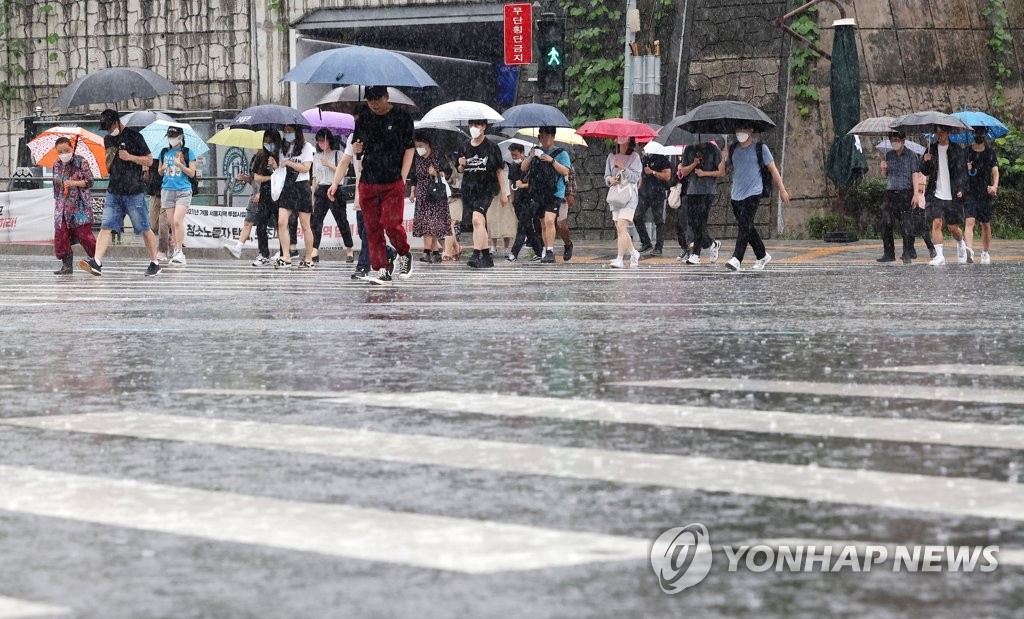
column 564, row 135
column 243, row 138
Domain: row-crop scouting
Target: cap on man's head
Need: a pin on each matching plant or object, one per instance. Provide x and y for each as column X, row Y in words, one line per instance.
column 173, row 132
column 108, row 117
column 547, row 131
column 376, row 92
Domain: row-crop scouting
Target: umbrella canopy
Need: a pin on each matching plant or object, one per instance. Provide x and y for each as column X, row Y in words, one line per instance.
column 143, row 118
column 617, row 128
column 506, row 154
column 874, row 126
column 156, row 137
column 656, row 148
column 996, row 128
column 924, row 122
column 84, row 143
column 724, row 117
column 445, row 138
column 113, row 85
column 268, row 114
column 885, row 146
column 563, row 135
column 242, row 138
column 368, row 66
column 845, row 163
column 338, row 122
column 461, row 112
column 534, row 115
column 348, row 99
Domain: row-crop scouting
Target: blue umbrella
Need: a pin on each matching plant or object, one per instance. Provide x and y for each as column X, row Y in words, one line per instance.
column 366, row 66
column 996, row 129
column 533, row 115
column 260, row 116
column 156, row 137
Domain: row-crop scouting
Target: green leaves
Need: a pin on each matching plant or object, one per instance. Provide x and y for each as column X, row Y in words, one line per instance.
column 802, row 62
column 595, row 63
column 1001, row 44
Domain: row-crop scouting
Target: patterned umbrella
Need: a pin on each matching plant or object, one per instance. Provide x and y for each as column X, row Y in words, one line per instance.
column 85, row 143
column 876, row 125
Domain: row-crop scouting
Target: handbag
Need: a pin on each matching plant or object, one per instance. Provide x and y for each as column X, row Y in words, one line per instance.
column 436, row 191
column 675, row 196
column 620, row 195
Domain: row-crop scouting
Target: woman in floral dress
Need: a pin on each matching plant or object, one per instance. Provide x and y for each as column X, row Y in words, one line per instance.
column 431, row 219
column 72, row 216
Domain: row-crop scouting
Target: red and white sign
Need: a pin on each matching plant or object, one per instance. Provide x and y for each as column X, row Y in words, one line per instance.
column 518, row 34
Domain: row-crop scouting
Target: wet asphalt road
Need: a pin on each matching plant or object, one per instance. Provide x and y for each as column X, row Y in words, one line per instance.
column 317, row 360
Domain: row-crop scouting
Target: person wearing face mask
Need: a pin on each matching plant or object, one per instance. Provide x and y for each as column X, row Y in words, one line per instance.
column 483, row 176
column 177, row 166
column 127, row 157
column 551, row 166
column 982, row 187
column 902, row 169
column 653, row 193
column 624, row 167
column 324, row 166
column 430, row 219
column 261, row 211
column 526, row 228
column 747, row 187
column 703, row 164
column 72, row 217
column 943, row 164
column 297, row 156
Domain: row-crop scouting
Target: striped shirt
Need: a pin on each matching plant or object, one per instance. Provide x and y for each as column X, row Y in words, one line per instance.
column 902, row 168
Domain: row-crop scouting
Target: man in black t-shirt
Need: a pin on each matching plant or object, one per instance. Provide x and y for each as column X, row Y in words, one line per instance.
column 383, row 142
column 653, row 192
column 982, row 187
column 128, row 157
column 483, row 175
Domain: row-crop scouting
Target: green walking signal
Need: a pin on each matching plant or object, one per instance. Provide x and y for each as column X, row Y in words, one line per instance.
column 551, row 48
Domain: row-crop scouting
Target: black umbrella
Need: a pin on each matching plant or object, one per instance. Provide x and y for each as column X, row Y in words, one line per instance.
column 143, row 118
column 924, row 122
column 268, row 115
column 533, row 115
column 113, row 85
column 672, row 135
column 724, row 117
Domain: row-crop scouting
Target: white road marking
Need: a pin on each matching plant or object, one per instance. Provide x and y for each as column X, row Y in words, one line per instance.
column 926, row 431
column 437, row 542
column 859, row 390
column 966, row 370
column 948, row 495
column 13, row 608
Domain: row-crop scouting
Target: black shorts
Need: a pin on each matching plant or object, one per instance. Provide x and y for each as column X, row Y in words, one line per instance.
column 978, row 208
column 296, row 197
column 548, row 204
column 950, row 211
column 475, row 204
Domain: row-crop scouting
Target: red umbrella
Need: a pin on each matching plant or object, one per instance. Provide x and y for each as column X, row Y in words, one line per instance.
column 617, row 128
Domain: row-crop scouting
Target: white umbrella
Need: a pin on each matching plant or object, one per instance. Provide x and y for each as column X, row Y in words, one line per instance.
column 656, row 148
column 461, row 112
column 885, row 146
column 504, row 144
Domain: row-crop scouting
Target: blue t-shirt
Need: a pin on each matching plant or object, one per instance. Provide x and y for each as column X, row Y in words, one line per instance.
column 175, row 179
column 562, row 158
column 746, row 176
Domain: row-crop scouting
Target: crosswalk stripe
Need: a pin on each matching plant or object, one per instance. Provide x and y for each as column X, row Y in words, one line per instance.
column 969, row 497
column 964, row 434
column 437, row 542
column 967, row 370
column 13, row 608
column 859, row 390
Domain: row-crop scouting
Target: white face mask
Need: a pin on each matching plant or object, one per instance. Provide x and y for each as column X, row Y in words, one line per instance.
column 475, row 132
column 65, row 157
column 742, row 136
column 114, row 132
column 174, row 142
column 517, row 161
column 422, row 152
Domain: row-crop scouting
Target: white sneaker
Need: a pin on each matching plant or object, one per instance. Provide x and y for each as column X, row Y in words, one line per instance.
column 178, row 258
column 713, row 251
column 260, row 261
column 938, row 261
column 634, row 259
column 985, row 258
column 161, row 256
column 961, row 253
column 617, row 263
column 759, row 265
column 693, row 259
column 234, row 249
column 275, row 257
column 494, row 251
column 733, row 264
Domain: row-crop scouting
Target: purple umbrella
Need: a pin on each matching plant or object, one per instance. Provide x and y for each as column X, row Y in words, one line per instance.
column 338, row 122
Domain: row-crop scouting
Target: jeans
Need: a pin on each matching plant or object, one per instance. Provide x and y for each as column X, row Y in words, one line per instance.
column 363, row 263
column 116, row 206
column 698, row 206
column 745, row 210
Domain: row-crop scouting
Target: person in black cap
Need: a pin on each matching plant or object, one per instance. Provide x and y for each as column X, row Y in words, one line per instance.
column 127, row 157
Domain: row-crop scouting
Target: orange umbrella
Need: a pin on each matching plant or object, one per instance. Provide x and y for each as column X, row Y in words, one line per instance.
column 84, row 143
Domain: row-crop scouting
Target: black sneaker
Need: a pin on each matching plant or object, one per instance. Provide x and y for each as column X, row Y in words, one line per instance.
column 646, row 247
column 153, row 270
column 90, row 266
column 913, row 253
column 886, row 259
column 360, row 274
column 931, row 252
column 567, row 254
column 293, row 253
column 656, row 251
column 435, row 258
column 350, row 259
column 404, row 264
column 906, row 259
column 381, row 278
column 316, row 259
column 536, row 258
column 427, row 257
column 486, row 261
column 549, row 258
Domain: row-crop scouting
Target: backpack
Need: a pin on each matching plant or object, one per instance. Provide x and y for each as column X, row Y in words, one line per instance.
column 192, row 180
column 766, row 174
column 543, row 177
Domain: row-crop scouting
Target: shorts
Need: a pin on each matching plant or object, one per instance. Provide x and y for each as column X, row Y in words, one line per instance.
column 116, row 206
column 475, row 204
column 624, row 214
column 979, row 209
column 563, row 211
column 170, row 198
column 296, row 197
column 950, row 211
column 549, row 204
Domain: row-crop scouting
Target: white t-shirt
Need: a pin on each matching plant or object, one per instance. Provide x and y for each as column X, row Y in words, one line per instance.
column 943, row 190
column 323, row 174
column 351, row 153
column 306, row 156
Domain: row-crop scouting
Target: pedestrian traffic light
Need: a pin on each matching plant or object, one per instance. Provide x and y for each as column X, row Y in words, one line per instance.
column 551, row 53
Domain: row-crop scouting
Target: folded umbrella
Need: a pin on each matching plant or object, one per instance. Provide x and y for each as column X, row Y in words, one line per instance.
column 357, row 64
column 724, row 117
column 156, row 137
column 461, row 112
column 534, row 115
column 114, row 85
column 242, row 138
